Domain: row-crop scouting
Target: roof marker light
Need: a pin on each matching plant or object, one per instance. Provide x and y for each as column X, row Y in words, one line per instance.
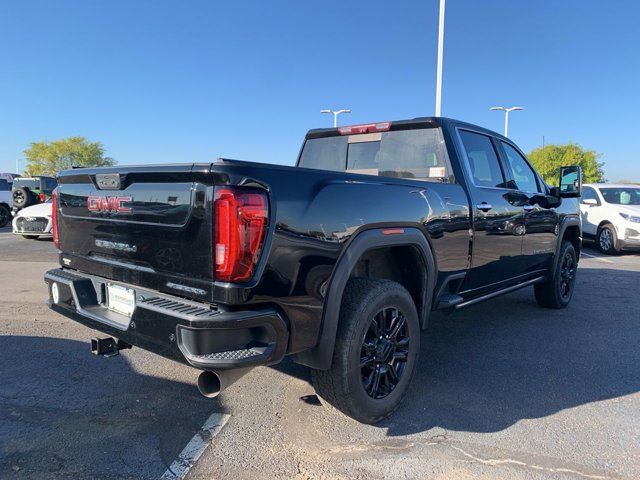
column 365, row 128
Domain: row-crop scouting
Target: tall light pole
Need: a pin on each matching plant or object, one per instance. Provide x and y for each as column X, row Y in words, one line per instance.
column 506, row 111
column 335, row 114
column 440, row 57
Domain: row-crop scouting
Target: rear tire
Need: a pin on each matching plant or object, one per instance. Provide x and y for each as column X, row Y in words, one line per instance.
column 375, row 353
column 607, row 240
column 558, row 290
column 5, row 215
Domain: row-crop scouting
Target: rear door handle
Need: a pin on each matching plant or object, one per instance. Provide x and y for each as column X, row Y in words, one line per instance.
column 485, row 207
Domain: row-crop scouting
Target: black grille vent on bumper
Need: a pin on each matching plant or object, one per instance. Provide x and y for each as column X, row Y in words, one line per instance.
column 31, row 224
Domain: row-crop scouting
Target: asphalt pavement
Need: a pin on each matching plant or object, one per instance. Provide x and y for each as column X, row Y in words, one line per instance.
column 503, row 390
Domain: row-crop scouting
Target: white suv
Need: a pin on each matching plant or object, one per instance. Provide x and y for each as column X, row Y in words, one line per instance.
column 611, row 216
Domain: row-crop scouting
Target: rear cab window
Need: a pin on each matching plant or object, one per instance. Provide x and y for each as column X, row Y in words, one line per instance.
column 416, row 154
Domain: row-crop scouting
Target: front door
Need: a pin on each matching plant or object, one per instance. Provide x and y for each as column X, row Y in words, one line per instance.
column 498, row 216
column 541, row 224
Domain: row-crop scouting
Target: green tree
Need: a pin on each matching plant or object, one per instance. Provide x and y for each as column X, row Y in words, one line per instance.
column 550, row 158
column 48, row 158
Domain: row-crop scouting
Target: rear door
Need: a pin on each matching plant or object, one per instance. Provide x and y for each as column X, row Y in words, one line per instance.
column 498, row 215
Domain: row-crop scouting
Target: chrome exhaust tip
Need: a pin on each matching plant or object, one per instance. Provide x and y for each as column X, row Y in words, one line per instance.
column 209, row 384
column 212, row 382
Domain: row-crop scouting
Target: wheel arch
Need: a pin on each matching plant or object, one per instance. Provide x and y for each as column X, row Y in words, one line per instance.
column 320, row 356
column 602, row 224
column 570, row 230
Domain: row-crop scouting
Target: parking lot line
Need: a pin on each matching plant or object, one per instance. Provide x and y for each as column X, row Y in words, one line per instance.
column 606, row 260
column 196, row 447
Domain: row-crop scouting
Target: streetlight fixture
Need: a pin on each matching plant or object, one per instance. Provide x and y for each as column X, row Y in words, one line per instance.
column 335, row 114
column 506, row 111
column 440, row 58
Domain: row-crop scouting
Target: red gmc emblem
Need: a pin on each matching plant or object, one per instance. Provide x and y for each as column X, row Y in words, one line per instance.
column 98, row 203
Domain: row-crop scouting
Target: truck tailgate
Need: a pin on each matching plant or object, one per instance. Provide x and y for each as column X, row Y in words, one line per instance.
column 148, row 225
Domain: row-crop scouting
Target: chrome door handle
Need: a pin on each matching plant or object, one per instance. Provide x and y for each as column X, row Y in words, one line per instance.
column 485, row 207
column 528, row 208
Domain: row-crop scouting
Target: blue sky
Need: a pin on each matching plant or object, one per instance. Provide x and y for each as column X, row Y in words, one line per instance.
column 167, row 81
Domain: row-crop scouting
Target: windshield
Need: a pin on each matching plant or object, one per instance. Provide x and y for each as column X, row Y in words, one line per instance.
column 621, row 196
column 416, row 154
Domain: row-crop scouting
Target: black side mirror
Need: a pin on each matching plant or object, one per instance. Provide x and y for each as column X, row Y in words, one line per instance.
column 570, row 182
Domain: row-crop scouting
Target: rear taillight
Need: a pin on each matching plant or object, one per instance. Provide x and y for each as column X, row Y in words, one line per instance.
column 240, row 220
column 54, row 218
column 366, row 128
column 42, row 197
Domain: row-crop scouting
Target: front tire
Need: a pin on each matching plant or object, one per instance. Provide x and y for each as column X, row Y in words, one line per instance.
column 376, row 351
column 607, row 240
column 557, row 291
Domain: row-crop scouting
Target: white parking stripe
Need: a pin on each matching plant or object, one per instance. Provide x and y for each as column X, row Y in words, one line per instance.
column 196, row 447
column 606, row 260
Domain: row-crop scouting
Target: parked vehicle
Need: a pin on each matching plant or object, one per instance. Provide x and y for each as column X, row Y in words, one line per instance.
column 337, row 262
column 28, row 191
column 5, row 202
column 611, row 216
column 34, row 221
column 8, row 176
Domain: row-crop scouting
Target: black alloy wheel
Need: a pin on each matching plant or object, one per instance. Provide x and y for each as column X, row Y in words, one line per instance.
column 567, row 274
column 384, row 353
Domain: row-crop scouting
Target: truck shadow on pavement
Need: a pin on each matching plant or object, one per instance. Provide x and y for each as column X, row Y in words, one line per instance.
column 486, row 368
column 65, row 412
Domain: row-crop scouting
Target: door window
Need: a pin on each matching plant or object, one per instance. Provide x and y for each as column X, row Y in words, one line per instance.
column 483, row 160
column 523, row 174
column 589, row 194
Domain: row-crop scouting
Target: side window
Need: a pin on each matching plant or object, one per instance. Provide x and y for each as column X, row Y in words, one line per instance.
column 483, row 161
column 523, row 175
column 589, row 193
column 49, row 184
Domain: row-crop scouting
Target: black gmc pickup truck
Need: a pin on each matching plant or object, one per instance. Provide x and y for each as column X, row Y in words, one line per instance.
column 337, row 261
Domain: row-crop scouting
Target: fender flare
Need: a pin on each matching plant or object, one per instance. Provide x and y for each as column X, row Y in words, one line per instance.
column 567, row 222
column 321, row 355
column 571, row 221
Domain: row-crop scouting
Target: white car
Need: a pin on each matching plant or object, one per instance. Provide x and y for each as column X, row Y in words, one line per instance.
column 34, row 221
column 611, row 216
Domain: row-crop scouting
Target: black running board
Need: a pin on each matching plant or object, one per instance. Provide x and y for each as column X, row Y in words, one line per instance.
column 503, row 291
